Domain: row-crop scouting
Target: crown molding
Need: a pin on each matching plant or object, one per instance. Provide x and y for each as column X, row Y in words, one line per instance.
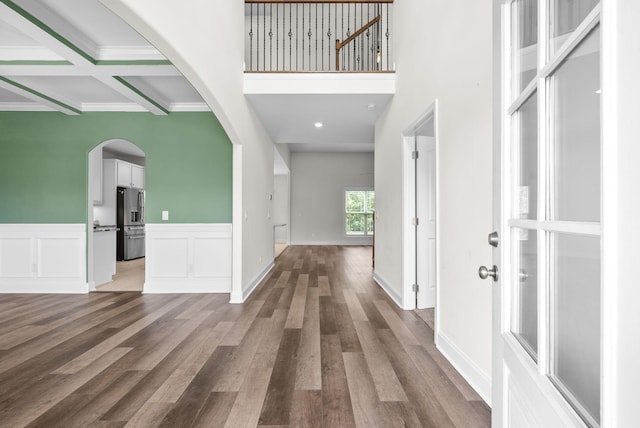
column 113, row 107
column 188, row 107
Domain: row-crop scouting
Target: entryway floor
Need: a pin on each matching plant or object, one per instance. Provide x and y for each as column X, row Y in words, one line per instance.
column 129, row 277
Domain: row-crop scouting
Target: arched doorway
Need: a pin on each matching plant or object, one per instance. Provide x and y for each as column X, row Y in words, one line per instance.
column 115, row 213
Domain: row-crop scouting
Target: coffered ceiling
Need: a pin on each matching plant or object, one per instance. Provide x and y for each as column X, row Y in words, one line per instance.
column 76, row 56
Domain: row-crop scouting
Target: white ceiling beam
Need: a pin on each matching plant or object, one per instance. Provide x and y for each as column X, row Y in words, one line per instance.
column 134, row 94
column 21, row 20
column 38, row 97
column 129, row 69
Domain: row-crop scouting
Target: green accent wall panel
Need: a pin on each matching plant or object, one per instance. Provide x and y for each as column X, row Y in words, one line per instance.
column 44, row 164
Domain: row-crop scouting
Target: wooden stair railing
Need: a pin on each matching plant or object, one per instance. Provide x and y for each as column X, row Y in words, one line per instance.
column 345, row 42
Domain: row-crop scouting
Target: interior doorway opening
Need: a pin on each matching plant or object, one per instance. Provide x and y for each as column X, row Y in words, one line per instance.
column 116, row 217
column 280, row 200
column 420, row 227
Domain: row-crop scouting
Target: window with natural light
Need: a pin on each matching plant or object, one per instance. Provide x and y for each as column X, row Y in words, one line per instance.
column 359, row 208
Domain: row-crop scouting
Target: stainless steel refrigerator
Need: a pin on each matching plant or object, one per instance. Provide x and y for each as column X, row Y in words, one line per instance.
column 130, row 218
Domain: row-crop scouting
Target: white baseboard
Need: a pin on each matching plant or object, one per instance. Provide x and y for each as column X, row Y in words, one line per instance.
column 479, row 380
column 43, row 258
column 188, row 258
column 387, row 288
column 240, row 297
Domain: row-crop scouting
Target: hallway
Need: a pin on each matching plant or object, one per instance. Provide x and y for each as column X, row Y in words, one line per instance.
column 317, row 344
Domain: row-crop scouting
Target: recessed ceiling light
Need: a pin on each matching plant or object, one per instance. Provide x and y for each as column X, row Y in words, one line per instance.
column 318, row 124
column 371, row 107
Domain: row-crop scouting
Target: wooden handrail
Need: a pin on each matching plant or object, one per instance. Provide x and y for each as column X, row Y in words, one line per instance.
column 318, row 1
column 340, row 45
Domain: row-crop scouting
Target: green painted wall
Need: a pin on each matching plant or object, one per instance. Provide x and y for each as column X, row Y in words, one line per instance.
column 44, row 164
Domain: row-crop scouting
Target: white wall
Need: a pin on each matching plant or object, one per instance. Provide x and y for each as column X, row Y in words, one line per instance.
column 448, row 59
column 281, row 207
column 205, row 41
column 318, row 182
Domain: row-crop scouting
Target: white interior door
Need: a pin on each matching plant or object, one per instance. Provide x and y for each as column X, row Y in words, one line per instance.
column 547, row 325
column 426, row 228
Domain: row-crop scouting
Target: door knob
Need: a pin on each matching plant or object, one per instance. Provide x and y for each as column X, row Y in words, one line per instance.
column 485, row 273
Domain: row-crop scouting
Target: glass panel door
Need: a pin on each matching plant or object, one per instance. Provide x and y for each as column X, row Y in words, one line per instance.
column 554, row 150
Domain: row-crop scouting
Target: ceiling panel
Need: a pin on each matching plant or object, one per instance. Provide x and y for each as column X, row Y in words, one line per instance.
column 171, row 89
column 84, row 34
column 75, row 90
column 9, row 97
column 348, row 119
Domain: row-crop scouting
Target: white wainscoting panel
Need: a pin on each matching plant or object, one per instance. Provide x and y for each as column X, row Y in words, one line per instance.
column 43, row 258
column 188, row 258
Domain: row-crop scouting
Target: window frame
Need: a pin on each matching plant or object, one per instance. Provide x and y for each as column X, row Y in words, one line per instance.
column 365, row 212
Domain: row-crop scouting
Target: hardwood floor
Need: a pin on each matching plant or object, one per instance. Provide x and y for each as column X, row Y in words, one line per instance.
column 318, row 344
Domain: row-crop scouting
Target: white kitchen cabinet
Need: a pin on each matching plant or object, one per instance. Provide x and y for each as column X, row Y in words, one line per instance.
column 95, row 159
column 123, row 173
column 104, row 255
column 129, row 175
column 137, row 177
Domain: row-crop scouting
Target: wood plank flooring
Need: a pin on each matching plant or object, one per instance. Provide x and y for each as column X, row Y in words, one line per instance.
column 318, row 344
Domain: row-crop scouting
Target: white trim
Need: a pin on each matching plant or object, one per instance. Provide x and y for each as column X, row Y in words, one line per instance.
column 26, row 106
column 478, row 379
column 128, row 53
column 125, row 107
column 345, row 243
column 409, row 208
column 319, row 83
column 389, row 290
column 240, row 298
column 583, row 228
column 28, row 53
column 237, row 184
column 188, row 107
column 43, row 258
column 188, row 258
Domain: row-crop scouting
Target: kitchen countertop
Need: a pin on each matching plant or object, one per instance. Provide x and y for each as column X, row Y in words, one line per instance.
column 108, row 228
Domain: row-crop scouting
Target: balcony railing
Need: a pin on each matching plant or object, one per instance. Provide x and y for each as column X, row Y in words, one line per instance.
column 306, row 36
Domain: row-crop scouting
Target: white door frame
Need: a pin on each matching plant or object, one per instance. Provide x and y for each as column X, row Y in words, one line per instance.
column 90, row 256
column 408, row 209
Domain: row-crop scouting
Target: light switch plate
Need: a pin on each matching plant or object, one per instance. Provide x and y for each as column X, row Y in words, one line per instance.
column 165, row 215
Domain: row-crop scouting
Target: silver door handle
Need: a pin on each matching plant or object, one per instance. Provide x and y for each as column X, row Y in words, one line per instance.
column 136, row 237
column 485, row 273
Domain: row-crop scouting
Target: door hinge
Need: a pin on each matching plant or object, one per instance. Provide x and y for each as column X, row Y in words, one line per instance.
column 415, row 221
column 415, row 288
column 414, row 155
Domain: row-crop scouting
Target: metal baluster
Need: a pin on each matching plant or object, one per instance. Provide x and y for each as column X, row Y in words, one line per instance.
column 264, row 37
column 251, row 37
column 296, row 36
column 290, row 35
column 387, row 36
column 361, row 39
column 302, row 41
column 322, row 38
column 368, row 66
column 270, row 36
column 348, row 34
column 316, row 67
column 342, row 33
column 310, row 33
